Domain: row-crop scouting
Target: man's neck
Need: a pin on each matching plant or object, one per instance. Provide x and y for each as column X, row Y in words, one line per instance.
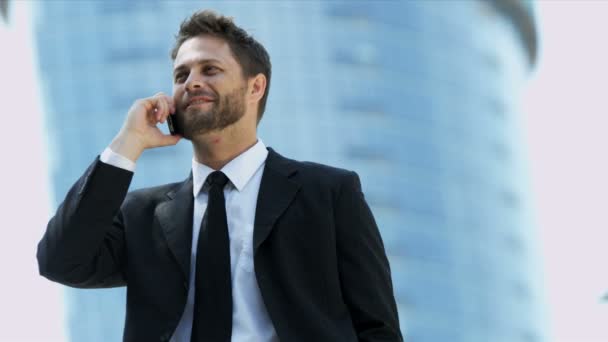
column 216, row 149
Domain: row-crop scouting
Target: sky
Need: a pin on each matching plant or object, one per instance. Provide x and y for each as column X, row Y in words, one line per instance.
column 566, row 127
column 565, row 123
column 25, row 297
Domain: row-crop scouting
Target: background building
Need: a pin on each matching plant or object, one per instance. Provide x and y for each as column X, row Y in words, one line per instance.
column 420, row 98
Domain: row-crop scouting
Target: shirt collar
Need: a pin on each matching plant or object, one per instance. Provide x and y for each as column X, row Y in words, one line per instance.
column 239, row 170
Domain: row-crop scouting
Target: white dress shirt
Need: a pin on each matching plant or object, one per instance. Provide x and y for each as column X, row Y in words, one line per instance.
column 250, row 320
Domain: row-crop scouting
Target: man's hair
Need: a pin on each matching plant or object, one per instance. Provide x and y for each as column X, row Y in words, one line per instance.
column 248, row 52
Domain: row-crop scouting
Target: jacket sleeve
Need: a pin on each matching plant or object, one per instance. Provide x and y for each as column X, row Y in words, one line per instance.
column 84, row 243
column 363, row 267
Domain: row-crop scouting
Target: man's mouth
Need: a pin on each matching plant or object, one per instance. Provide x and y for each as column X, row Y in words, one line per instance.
column 199, row 100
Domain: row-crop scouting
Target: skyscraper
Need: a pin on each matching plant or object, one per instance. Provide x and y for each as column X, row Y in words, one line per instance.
column 4, row 9
column 418, row 97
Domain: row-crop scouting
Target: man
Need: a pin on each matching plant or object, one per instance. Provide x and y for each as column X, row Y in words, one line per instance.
column 252, row 246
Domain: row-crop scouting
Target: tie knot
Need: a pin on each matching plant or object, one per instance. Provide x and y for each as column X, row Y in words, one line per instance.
column 217, row 178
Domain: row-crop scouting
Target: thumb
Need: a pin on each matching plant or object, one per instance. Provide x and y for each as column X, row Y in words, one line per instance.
column 168, row 139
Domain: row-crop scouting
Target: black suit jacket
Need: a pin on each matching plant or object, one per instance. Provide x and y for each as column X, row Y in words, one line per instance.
column 318, row 256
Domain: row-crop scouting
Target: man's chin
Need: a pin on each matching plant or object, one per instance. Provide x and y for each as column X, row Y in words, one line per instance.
column 198, row 105
column 197, row 129
column 201, row 109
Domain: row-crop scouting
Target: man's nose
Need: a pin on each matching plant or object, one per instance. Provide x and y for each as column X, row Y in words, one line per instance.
column 194, row 83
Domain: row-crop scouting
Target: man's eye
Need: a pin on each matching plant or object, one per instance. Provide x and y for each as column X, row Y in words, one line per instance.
column 179, row 77
column 210, row 70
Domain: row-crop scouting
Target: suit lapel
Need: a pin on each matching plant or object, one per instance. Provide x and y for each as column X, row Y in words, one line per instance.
column 277, row 191
column 175, row 218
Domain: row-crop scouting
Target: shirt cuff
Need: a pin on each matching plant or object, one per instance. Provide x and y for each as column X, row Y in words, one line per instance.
column 112, row 158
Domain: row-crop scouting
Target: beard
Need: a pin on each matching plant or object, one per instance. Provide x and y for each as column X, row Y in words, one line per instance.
column 225, row 111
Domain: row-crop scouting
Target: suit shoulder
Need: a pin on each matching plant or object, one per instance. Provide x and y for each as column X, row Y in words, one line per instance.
column 317, row 175
column 284, row 164
column 324, row 170
column 324, row 180
column 308, row 170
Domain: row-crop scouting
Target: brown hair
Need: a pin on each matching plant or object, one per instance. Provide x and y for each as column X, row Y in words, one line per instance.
column 248, row 52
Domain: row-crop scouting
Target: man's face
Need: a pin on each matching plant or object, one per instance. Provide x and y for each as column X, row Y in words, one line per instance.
column 208, row 86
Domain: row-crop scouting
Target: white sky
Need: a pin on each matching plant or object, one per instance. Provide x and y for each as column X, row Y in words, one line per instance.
column 566, row 119
column 30, row 306
column 566, row 125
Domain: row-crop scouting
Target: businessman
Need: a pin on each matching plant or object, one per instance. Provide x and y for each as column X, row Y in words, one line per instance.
column 252, row 246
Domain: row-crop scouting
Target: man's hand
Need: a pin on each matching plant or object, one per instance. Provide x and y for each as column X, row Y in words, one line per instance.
column 139, row 131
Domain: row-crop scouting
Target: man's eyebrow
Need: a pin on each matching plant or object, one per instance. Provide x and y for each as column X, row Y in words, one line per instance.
column 198, row 61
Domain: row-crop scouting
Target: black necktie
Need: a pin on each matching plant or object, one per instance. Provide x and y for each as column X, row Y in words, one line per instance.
column 212, row 321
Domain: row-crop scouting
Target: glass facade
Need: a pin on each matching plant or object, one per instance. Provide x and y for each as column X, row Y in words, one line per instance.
column 419, row 97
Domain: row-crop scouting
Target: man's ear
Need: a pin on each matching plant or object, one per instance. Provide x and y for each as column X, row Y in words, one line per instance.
column 257, row 87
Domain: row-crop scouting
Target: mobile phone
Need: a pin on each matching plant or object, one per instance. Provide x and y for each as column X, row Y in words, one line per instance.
column 174, row 127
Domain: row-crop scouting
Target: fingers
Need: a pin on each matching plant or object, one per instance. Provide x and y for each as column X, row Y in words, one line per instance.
column 162, row 139
column 163, row 106
column 169, row 139
column 140, row 129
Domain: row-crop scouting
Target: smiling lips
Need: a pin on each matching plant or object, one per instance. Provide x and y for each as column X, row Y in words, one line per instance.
column 199, row 100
